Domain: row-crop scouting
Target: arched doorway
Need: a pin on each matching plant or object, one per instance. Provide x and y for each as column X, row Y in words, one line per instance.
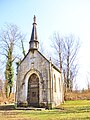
column 33, row 91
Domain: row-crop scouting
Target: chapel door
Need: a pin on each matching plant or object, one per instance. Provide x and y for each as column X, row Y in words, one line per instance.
column 33, row 91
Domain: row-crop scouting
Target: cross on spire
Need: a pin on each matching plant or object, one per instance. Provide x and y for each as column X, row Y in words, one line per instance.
column 34, row 19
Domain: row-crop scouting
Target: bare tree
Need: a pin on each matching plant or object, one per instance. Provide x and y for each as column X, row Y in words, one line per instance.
column 10, row 42
column 57, row 44
column 1, row 86
column 66, row 50
column 71, row 48
column 23, row 49
column 41, row 47
column 44, row 50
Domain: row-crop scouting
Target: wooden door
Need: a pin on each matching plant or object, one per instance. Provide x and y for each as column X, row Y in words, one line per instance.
column 33, row 91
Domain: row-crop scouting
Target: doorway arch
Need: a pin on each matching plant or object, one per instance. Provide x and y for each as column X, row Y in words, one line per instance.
column 33, row 91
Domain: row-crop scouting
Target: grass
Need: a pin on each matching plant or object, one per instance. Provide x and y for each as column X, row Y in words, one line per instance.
column 70, row 110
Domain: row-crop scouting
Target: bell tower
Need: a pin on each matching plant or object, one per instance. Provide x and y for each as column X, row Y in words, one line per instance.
column 34, row 44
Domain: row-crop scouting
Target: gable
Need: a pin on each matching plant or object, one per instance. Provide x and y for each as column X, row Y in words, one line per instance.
column 34, row 60
column 34, row 54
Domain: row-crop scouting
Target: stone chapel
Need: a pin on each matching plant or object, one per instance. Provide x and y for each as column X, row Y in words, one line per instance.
column 39, row 82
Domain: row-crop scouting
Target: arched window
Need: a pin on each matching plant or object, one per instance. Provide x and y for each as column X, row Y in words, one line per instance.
column 59, row 84
column 54, row 83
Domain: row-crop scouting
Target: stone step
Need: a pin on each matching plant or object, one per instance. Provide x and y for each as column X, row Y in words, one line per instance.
column 30, row 108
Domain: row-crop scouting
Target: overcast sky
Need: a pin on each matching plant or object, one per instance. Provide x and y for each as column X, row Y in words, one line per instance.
column 64, row 16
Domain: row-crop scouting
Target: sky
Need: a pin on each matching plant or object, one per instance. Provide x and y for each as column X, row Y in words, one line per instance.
column 63, row 16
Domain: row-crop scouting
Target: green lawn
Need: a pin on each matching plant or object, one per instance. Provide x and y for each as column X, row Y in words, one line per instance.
column 70, row 110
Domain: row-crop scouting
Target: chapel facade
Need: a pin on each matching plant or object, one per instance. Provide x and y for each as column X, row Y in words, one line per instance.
column 39, row 81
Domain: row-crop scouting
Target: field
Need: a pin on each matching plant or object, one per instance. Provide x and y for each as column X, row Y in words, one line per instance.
column 70, row 110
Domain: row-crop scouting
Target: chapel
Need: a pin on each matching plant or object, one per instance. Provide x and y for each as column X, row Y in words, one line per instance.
column 39, row 82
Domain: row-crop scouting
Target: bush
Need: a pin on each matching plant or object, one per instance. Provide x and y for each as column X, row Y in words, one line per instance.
column 78, row 95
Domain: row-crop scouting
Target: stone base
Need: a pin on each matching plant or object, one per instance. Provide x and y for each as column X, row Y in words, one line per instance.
column 22, row 104
column 46, row 105
column 41, row 105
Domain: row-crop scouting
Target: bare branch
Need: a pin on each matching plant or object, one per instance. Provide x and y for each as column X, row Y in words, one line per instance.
column 67, row 49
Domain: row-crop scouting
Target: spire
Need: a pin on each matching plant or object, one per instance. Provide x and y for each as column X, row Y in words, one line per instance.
column 34, row 31
column 34, row 44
